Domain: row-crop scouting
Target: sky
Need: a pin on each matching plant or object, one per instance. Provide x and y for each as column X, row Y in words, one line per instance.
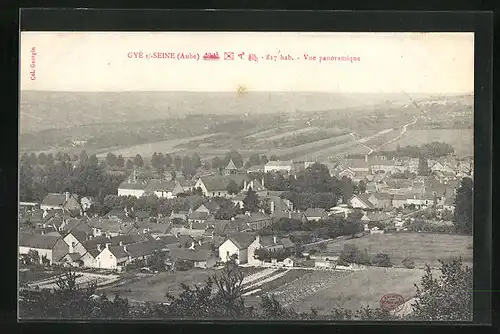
column 428, row 63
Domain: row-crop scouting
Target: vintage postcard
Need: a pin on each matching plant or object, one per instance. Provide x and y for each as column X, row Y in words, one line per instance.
column 246, row 176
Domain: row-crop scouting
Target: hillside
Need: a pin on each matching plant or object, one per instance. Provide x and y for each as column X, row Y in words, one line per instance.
column 49, row 110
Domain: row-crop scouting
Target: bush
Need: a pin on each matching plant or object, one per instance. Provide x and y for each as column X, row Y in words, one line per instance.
column 350, row 254
column 382, row 260
column 183, row 265
column 408, row 263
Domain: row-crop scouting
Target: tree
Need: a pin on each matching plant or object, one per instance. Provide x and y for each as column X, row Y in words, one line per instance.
column 350, row 254
column 463, row 215
column 155, row 161
column 263, row 159
column 42, row 159
column 232, row 188
column 93, row 161
column 138, row 162
column 361, row 188
column 129, row 164
column 217, row 163
column 50, row 159
column 273, row 158
column 173, row 175
column 254, row 160
column 236, row 157
column 33, row 160
column 177, row 162
column 251, row 201
column 120, row 161
column 33, row 256
column 26, row 176
column 83, row 158
column 227, row 209
column 381, row 260
column 111, row 160
column 195, row 161
column 423, row 167
column 408, row 262
column 448, row 298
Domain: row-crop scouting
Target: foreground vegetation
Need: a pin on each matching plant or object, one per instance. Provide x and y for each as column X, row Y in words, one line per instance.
column 448, row 297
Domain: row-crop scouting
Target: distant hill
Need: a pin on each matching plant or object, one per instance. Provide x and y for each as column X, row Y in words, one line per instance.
column 50, row 110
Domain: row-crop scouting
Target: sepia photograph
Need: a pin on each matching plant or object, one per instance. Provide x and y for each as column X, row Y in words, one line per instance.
column 246, row 176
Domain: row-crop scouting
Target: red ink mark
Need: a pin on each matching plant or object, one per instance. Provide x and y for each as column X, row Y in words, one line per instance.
column 392, row 302
column 33, row 64
column 252, row 57
column 211, row 56
column 241, row 55
column 228, row 55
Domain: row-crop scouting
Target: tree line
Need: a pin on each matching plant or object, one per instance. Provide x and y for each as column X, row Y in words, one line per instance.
column 431, row 150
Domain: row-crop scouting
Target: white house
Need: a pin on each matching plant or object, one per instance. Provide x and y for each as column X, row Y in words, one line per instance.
column 51, row 246
column 269, row 243
column 278, row 166
column 236, row 244
column 112, row 257
column 66, row 201
column 75, row 246
column 129, row 188
column 162, row 189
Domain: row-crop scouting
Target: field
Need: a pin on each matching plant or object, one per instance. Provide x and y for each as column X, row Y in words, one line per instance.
column 422, row 247
column 351, row 290
column 167, row 146
column 462, row 140
column 153, row 288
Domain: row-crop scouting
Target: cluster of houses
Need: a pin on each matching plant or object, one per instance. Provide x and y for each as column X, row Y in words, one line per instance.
column 124, row 236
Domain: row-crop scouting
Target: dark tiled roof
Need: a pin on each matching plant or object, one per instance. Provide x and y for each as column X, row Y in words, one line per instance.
column 132, row 185
column 118, row 252
column 54, row 199
column 192, row 255
column 242, row 240
column 38, row 241
column 158, row 185
column 211, row 206
column 145, row 248
column 315, row 212
column 199, row 215
column 364, row 200
column 220, row 183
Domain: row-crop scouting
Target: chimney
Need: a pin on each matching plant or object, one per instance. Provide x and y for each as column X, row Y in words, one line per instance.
column 275, row 240
column 272, row 206
column 98, row 247
column 107, row 245
column 245, row 185
column 177, row 235
column 42, row 231
column 289, row 215
column 124, row 248
column 121, row 243
column 192, row 245
column 263, row 182
column 67, row 195
column 366, row 157
column 199, row 242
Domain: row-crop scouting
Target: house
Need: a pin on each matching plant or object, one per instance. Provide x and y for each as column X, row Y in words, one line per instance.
column 230, row 168
column 290, row 215
column 132, row 186
column 357, row 165
column 380, row 200
column 201, row 258
column 256, row 220
column 86, row 203
column 341, row 209
column 144, row 250
column 268, row 242
column 53, row 247
column 315, row 214
column 112, row 257
column 75, row 244
column 257, row 186
column 278, row 166
column 73, row 259
column 278, row 204
column 380, row 165
column 227, row 227
column 179, row 215
column 237, row 245
column 65, row 202
column 361, row 201
column 325, row 260
column 210, row 208
column 162, row 189
column 216, row 185
column 198, row 217
column 376, row 217
column 348, row 172
column 186, row 185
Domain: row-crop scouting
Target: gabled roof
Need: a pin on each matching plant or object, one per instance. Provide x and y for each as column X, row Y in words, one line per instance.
column 242, row 240
column 73, row 256
column 118, row 252
column 55, row 199
column 199, row 215
column 197, row 255
column 268, row 240
column 231, row 165
column 363, row 199
column 158, row 185
column 38, row 241
column 145, row 248
column 211, row 206
column 315, row 212
column 128, row 185
column 220, row 182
